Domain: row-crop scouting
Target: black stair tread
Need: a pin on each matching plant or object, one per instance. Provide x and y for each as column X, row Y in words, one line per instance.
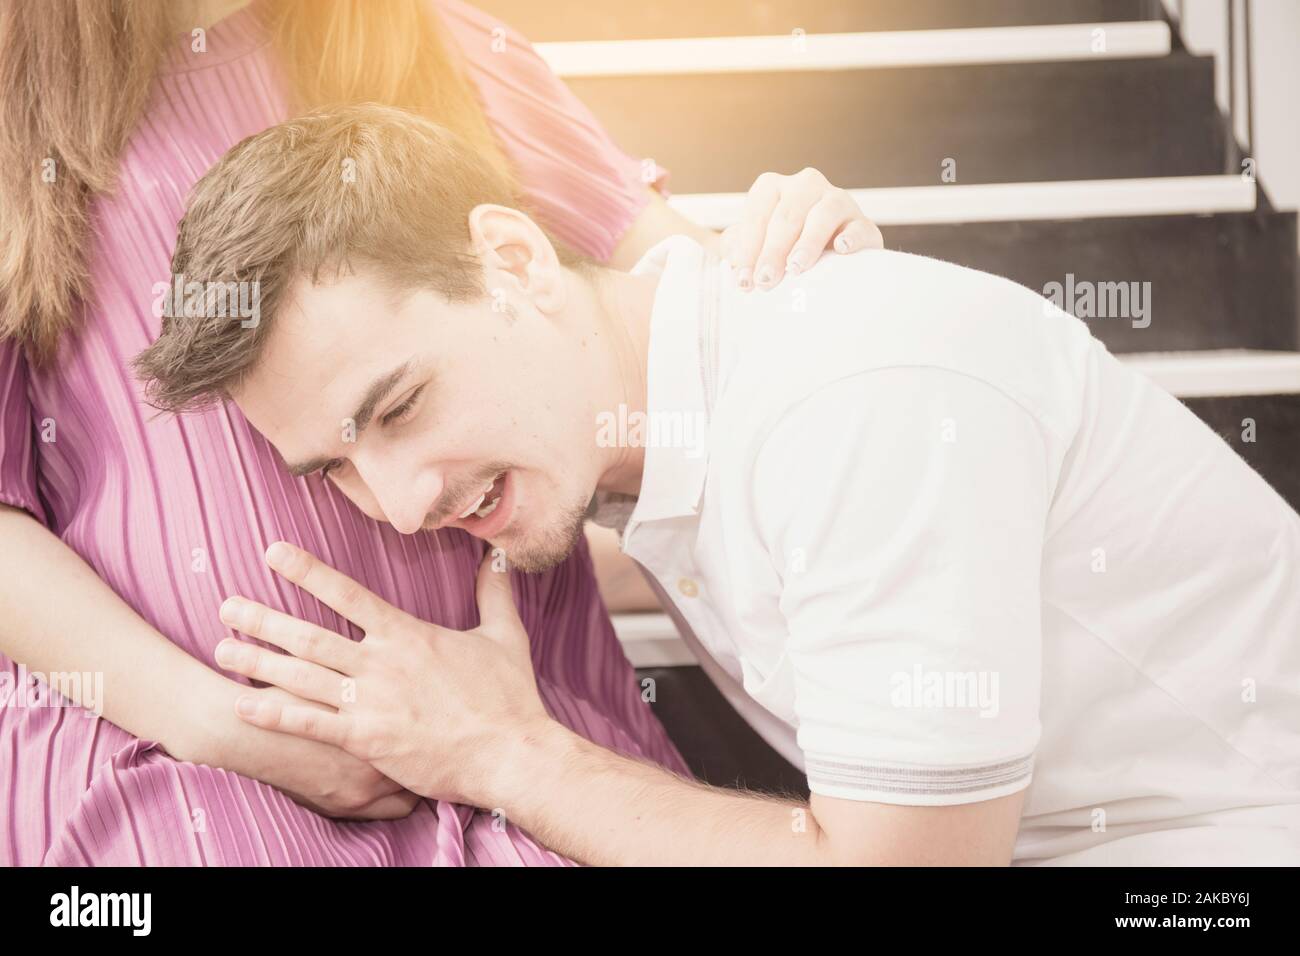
column 584, row 20
column 1273, row 452
column 1014, row 122
column 718, row 745
column 1225, row 281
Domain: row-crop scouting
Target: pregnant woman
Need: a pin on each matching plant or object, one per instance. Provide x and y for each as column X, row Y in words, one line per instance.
column 121, row 532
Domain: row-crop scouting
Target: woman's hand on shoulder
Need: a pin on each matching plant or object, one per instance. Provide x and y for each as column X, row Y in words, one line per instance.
column 788, row 222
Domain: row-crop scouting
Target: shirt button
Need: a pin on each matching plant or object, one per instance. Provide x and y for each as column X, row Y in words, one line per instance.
column 688, row 587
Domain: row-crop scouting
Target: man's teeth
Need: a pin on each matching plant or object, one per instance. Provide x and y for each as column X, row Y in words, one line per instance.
column 480, row 509
column 474, row 507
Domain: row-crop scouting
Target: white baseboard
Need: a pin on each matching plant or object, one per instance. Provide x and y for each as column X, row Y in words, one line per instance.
column 1012, row 202
column 854, row 51
column 650, row 639
column 1219, row 373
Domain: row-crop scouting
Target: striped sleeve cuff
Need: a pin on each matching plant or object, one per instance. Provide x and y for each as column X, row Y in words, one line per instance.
column 917, row 784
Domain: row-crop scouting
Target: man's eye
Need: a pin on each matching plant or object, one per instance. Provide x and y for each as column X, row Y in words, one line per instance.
column 402, row 411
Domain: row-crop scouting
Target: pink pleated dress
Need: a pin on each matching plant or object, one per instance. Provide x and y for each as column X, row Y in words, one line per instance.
column 174, row 513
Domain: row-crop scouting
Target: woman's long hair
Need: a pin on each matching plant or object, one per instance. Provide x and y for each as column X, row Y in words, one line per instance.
column 75, row 76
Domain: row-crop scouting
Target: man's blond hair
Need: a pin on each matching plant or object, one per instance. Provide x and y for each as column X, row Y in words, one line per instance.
column 363, row 188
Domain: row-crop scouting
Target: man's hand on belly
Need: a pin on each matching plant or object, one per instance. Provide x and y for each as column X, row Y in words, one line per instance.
column 457, row 715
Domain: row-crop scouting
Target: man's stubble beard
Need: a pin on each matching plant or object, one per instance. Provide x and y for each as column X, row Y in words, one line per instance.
column 548, row 547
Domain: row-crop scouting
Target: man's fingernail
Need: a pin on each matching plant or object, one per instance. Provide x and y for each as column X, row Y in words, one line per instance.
column 246, row 706
column 843, row 244
column 277, row 553
column 223, row 653
column 764, row 276
column 743, row 278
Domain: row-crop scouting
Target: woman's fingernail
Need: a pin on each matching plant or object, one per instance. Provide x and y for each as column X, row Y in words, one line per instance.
column 743, row 278
column 229, row 610
column 764, row 276
column 795, row 265
column 246, row 706
column 843, row 244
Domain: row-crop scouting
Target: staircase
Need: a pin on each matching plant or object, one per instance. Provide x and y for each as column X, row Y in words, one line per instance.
column 1075, row 143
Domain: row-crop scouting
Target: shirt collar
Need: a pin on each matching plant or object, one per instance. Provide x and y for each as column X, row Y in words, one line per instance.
column 675, row 430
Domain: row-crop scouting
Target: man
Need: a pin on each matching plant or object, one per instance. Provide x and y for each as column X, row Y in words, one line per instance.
column 975, row 576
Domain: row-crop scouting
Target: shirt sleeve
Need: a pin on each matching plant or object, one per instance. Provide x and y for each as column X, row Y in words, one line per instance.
column 584, row 189
column 906, row 511
column 17, row 435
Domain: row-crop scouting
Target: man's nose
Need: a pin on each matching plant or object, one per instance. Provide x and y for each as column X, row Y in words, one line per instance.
column 405, row 496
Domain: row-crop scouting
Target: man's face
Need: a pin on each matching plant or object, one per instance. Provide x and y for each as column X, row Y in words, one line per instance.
column 428, row 414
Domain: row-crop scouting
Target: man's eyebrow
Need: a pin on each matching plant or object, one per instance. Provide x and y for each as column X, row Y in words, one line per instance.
column 378, row 391
column 307, row 467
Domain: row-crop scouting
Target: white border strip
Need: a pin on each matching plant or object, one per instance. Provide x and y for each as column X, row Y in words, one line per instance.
column 1012, row 202
column 651, row 639
column 1219, row 373
column 848, row 51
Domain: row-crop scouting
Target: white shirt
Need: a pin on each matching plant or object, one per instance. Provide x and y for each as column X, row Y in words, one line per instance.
column 950, row 548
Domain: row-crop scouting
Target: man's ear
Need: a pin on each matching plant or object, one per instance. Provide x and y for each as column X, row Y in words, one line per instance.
column 516, row 253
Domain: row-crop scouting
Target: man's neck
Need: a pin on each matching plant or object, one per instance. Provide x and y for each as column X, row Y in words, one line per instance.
column 624, row 305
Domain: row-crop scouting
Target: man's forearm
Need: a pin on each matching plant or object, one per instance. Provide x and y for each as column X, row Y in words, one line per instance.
column 601, row 808
column 60, row 617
